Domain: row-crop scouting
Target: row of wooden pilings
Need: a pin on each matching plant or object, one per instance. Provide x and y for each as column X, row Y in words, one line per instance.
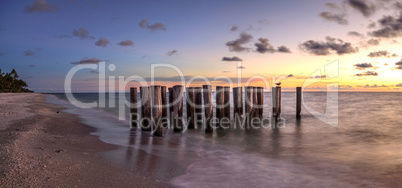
column 154, row 106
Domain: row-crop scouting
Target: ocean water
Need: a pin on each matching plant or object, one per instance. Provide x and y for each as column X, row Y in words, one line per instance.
column 357, row 143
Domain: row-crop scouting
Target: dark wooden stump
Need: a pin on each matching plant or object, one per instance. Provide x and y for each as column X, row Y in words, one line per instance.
column 145, row 94
column 208, row 108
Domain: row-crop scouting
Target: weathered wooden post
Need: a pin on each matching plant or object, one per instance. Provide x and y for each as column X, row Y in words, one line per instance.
column 298, row 101
column 164, row 105
column 278, row 101
column 256, row 107
column 145, row 94
column 274, row 103
column 260, row 100
column 208, row 108
column 170, row 89
column 133, row 107
column 156, row 110
column 248, row 101
column 219, row 103
column 178, row 108
column 190, row 107
column 226, row 99
column 235, row 100
column 197, row 105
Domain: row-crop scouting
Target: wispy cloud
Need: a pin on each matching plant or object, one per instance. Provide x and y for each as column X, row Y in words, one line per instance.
column 102, row 42
column 237, row 45
column 170, row 53
column 153, row 27
column 126, row 43
column 362, row 66
column 338, row 18
column 381, row 53
column 87, row 61
column 325, row 48
column 234, row 28
column 367, row 73
column 29, row 53
column 234, row 58
column 365, row 7
column 82, row 33
column 398, row 65
column 390, row 27
column 41, row 6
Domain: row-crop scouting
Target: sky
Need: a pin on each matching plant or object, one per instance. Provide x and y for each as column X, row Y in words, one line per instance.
column 278, row 41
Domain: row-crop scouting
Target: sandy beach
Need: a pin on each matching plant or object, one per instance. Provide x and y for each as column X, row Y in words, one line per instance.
column 40, row 146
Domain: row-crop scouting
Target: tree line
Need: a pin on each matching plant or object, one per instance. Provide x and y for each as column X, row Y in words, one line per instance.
column 9, row 82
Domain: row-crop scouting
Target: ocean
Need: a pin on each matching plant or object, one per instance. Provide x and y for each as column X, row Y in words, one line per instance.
column 355, row 142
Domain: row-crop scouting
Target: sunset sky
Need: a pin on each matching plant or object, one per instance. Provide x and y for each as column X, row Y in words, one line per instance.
column 44, row 39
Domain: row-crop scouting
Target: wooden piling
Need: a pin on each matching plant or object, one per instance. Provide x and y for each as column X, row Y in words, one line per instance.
column 133, row 107
column 298, row 101
column 274, row 103
column 236, row 102
column 220, row 113
column 190, row 107
column 178, row 108
column 260, row 100
column 248, row 101
column 164, row 105
column 208, row 108
column 226, row 99
column 278, row 101
column 156, row 110
column 256, row 107
column 145, row 94
column 170, row 89
column 197, row 105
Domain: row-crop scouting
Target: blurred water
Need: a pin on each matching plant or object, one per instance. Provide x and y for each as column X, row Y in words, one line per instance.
column 364, row 150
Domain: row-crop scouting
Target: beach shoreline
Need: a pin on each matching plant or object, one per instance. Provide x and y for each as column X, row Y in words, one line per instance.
column 41, row 146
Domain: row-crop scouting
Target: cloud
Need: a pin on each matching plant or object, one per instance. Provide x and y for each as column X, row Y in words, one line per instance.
column 93, row 71
column 2, row 54
column 87, row 61
column 263, row 46
column 324, row 48
column 234, row 58
column 290, row 75
column 320, row 76
column 62, row 36
column 338, row 18
column 41, row 6
column 102, row 42
column 241, row 67
column 374, row 86
column 283, row 49
column 154, row 27
column 398, row 65
column 29, row 53
column 126, row 43
column 234, row 28
column 367, row 73
column 363, row 6
column 226, row 71
column 332, row 5
column 170, row 53
column 82, row 33
column 390, row 27
column 32, row 65
column 237, row 45
column 381, row 53
column 399, row 85
column 373, row 42
column 355, row 34
column 362, row 66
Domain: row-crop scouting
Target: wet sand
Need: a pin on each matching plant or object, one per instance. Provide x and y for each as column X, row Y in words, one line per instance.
column 40, row 146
